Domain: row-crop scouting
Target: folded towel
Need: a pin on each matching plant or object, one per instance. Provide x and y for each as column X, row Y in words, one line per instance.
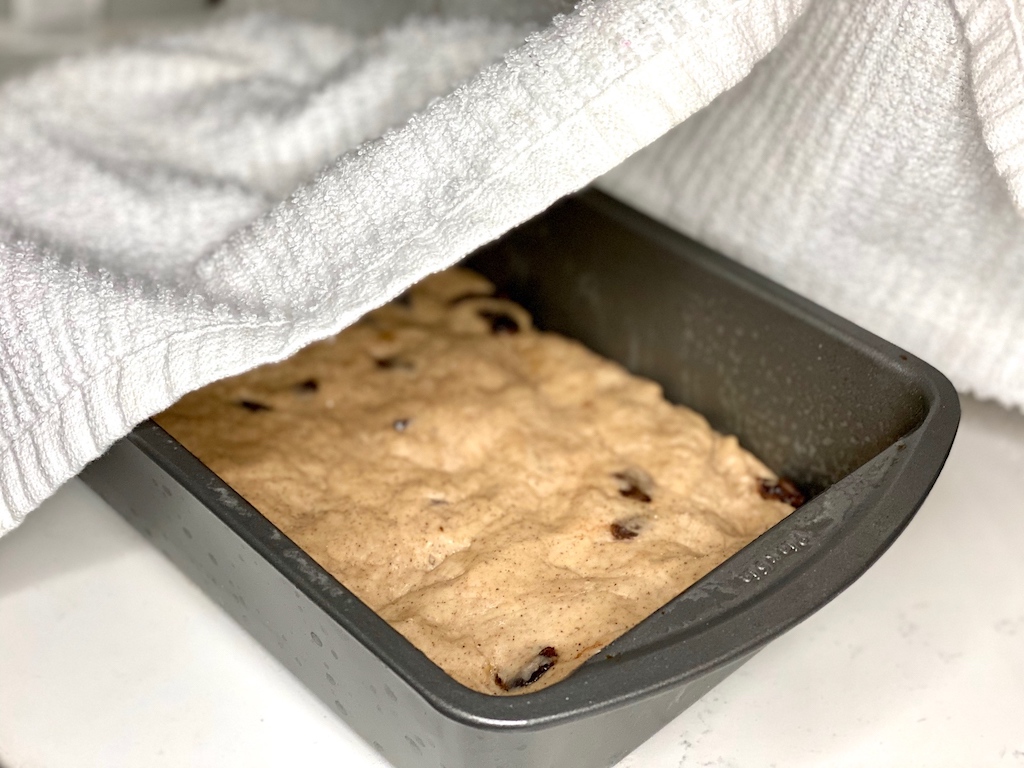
column 184, row 208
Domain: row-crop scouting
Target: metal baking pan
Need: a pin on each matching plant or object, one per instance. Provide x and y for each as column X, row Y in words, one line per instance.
column 861, row 425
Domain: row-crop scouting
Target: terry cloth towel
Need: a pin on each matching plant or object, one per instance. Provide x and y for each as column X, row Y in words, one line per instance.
column 184, row 208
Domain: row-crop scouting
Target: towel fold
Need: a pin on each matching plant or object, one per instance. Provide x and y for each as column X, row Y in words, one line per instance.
column 149, row 240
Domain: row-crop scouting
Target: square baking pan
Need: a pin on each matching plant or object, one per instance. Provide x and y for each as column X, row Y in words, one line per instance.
column 863, row 427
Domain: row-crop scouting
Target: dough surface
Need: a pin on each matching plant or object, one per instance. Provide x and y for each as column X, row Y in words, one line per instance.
column 506, row 499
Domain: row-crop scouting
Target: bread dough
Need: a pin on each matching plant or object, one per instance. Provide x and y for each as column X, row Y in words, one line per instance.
column 506, row 499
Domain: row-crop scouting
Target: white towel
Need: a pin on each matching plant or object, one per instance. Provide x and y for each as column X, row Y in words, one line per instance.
column 165, row 221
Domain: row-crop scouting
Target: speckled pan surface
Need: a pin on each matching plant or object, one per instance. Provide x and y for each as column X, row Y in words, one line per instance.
column 858, row 421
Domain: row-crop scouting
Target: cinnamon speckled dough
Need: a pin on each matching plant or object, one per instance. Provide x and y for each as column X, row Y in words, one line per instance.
column 508, row 501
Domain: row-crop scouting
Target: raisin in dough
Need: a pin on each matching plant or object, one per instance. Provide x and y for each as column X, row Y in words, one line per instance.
column 508, row 500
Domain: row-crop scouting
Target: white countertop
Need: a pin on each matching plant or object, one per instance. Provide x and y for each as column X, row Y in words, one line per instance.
column 110, row 657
